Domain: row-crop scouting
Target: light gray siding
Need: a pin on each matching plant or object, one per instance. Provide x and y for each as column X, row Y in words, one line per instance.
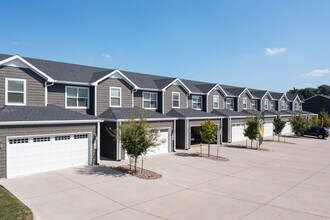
column 103, row 94
column 190, row 105
column 210, row 99
column 262, row 104
column 168, row 97
column 7, row 131
column 35, row 85
column 240, row 105
column 56, row 96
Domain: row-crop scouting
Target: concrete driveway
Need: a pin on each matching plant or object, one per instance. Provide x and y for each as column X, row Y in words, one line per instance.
column 290, row 181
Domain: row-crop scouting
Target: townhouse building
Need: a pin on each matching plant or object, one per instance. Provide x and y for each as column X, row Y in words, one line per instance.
column 55, row 115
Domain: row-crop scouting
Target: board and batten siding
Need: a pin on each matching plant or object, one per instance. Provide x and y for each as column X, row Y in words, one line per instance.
column 240, row 106
column 103, row 94
column 35, row 85
column 168, row 97
column 56, row 96
column 7, row 131
column 210, row 99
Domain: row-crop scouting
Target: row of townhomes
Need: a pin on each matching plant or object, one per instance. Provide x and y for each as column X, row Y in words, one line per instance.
column 55, row 115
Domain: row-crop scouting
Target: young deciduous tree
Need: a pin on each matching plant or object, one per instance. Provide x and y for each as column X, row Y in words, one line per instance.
column 278, row 127
column 251, row 129
column 326, row 118
column 137, row 137
column 314, row 121
column 299, row 124
column 209, row 133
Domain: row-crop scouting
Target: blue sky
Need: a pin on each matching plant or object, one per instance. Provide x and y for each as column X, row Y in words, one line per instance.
column 264, row 44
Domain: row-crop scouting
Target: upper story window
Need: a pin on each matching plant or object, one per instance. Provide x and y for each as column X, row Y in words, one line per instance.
column 15, row 91
column 282, row 105
column 244, row 103
column 287, row 105
column 266, row 104
column 115, row 97
column 76, row 97
column 175, row 99
column 272, row 105
column 295, row 106
column 230, row 103
column 215, row 101
column 254, row 104
column 150, row 100
column 197, row 102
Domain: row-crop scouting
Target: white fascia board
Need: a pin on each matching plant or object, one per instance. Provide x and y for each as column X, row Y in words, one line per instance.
column 217, row 85
column 203, row 118
column 73, row 83
column 35, row 69
column 246, row 90
column 137, row 119
column 177, row 80
column 238, row 116
column 267, row 92
column 112, row 73
column 51, row 122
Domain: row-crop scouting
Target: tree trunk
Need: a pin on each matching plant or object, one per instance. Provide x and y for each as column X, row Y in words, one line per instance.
column 142, row 164
column 130, row 163
column 208, row 153
column 251, row 143
column 278, row 138
column 201, row 149
column 135, row 162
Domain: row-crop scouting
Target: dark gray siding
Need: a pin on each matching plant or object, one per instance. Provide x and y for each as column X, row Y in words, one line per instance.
column 103, row 96
column 203, row 102
column 7, row 131
column 225, row 133
column 56, row 96
column 138, row 100
column 317, row 104
column 35, row 85
column 244, row 95
column 210, row 99
column 168, row 97
column 108, row 144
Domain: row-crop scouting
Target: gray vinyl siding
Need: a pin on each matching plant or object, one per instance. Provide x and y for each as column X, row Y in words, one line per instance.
column 210, row 99
column 203, row 102
column 7, row 131
column 244, row 95
column 35, row 85
column 56, row 96
column 238, row 120
column 262, row 104
column 103, row 94
column 168, row 97
column 138, row 100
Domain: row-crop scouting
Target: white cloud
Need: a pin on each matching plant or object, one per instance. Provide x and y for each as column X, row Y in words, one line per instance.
column 108, row 56
column 275, row 51
column 317, row 73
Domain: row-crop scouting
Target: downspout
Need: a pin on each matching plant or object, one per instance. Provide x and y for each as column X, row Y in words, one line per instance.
column 134, row 90
column 46, row 92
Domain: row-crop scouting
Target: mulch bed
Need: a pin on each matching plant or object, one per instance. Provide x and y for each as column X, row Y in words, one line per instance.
column 142, row 174
column 211, row 157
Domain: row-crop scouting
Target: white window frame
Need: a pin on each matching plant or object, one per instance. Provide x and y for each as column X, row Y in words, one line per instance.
column 230, row 103
column 178, row 100
column 244, row 100
column 218, row 102
column 282, row 105
column 194, row 102
column 254, row 106
column 272, row 105
column 6, row 92
column 120, row 97
column 266, row 104
column 66, row 97
column 143, row 100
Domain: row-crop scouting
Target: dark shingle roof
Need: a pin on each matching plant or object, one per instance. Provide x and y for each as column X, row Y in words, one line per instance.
column 228, row 113
column 251, row 112
column 190, row 113
column 233, row 90
column 129, row 113
column 276, row 95
column 278, row 113
column 291, row 97
column 46, row 113
column 257, row 93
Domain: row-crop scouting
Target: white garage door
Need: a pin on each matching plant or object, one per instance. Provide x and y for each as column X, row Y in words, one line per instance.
column 268, row 129
column 237, row 132
column 287, row 129
column 28, row 155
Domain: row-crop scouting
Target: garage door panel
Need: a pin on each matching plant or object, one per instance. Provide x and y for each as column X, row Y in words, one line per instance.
column 268, row 129
column 47, row 153
column 238, row 132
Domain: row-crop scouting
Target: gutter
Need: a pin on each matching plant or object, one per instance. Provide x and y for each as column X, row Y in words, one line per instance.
column 50, row 122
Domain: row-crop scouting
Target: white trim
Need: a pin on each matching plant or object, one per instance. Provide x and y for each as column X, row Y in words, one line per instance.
column 192, row 101
column 35, row 69
column 150, row 100
column 217, row 85
column 178, row 100
column 244, row 99
column 177, row 80
column 248, row 91
column 50, row 122
column 95, row 100
column 213, row 101
column 207, row 103
column 137, row 119
column 98, row 143
column 46, row 94
column 163, row 105
column 77, row 107
column 267, row 92
column 112, row 73
column 120, row 97
column 72, row 83
column 6, row 92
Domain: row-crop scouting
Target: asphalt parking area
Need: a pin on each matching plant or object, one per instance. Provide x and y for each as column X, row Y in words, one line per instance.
column 290, row 181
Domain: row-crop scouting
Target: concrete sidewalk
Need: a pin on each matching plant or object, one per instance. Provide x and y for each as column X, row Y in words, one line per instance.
column 290, row 181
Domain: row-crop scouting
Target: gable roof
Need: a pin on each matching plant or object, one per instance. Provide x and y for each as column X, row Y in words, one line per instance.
column 228, row 113
column 293, row 97
column 321, row 95
column 277, row 95
column 233, row 90
column 189, row 113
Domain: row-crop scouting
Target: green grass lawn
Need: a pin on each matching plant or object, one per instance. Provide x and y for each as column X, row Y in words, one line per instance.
column 12, row 208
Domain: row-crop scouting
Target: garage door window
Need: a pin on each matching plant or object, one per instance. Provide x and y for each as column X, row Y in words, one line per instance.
column 41, row 139
column 15, row 91
column 19, row 141
column 77, row 97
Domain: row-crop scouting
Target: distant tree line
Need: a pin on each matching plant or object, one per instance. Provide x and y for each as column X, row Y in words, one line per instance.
column 309, row 92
